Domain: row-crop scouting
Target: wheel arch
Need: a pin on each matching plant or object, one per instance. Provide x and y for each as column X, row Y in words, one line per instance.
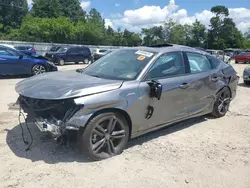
column 226, row 86
column 116, row 110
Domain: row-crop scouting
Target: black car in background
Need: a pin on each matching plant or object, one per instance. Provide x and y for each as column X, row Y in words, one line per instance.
column 70, row 54
column 55, row 48
column 27, row 50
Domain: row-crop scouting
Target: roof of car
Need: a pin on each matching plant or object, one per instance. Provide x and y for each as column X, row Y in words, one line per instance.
column 169, row 48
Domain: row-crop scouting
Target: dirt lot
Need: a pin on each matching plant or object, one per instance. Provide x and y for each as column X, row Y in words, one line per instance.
column 202, row 152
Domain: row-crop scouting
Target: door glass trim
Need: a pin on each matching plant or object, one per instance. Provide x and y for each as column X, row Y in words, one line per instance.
column 191, row 73
column 164, row 77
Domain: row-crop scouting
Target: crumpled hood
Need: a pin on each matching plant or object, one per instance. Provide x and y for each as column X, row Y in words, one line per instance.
column 62, row 85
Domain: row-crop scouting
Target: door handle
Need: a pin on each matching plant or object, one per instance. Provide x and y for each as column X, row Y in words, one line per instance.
column 184, row 86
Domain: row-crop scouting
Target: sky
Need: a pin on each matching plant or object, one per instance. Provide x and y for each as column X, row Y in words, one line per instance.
column 136, row 14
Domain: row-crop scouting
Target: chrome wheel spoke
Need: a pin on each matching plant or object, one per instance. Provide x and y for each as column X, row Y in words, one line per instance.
column 220, row 107
column 98, row 145
column 99, row 131
column 111, row 125
column 118, row 134
column 111, row 148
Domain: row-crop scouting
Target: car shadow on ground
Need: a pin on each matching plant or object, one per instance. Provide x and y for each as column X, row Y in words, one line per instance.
column 14, row 76
column 244, row 85
column 44, row 148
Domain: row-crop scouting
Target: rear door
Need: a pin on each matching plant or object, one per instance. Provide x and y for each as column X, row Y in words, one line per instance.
column 203, row 80
column 73, row 54
column 170, row 71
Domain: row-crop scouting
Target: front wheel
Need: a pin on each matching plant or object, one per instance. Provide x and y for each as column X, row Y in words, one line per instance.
column 105, row 135
column 38, row 69
column 222, row 103
column 61, row 62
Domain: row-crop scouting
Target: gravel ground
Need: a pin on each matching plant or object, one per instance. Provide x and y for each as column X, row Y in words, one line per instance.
column 202, row 152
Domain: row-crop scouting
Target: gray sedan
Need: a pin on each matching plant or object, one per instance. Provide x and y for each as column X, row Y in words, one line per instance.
column 127, row 93
column 246, row 75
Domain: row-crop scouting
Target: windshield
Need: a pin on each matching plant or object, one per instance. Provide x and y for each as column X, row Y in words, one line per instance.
column 62, row 50
column 125, row 64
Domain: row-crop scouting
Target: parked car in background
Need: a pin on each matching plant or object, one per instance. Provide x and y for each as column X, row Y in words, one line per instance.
column 219, row 54
column 28, row 50
column 14, row 62
column 100, row 53
column 70, row 54
column 243, row 57
column 55, row 48
column 246, row 75
column 127, row 93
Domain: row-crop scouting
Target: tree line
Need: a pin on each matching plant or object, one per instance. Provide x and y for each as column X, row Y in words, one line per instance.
column 64, row 21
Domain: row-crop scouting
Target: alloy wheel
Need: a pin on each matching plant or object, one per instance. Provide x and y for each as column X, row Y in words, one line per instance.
column 107, row 136
column 38, row 69
column 224, row 102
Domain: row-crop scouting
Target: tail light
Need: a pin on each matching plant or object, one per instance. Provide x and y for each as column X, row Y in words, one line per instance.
column 33, row 50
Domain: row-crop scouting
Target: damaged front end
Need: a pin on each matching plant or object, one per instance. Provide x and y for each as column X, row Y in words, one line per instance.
column 49, row 115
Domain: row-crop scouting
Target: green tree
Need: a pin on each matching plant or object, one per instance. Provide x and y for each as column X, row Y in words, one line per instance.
column 198, row 34
column 223, row 32
column 12, row 12
column 46, row 8
column 72, row 10
column 174, row 32
column 153, row 35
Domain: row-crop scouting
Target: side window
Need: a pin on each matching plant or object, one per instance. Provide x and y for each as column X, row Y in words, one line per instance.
column 198, row 63
column 170, row 64
column 8, row 52
column 214, row 61
column 72, row 50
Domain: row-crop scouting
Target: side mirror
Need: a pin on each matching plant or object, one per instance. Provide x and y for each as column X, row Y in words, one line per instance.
column 155, row 89
column 20, row 56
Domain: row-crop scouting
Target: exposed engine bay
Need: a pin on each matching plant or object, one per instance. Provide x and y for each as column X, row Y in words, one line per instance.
column 49, row 115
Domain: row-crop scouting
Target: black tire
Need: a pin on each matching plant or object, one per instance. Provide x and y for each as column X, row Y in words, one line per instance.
column 97, row 142
column 247, row 82
column 236, row 62
column 61, row 61
column 222, row 103
column 38, row 69
column 76, row 62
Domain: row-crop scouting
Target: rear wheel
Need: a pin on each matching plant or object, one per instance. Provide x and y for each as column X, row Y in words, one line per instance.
column 38, row 69
column 76, row 62
column 236, row 62
column 86, row 61
column 222, row 103
column 61, row 62
column 105, row 135
column 247, row 82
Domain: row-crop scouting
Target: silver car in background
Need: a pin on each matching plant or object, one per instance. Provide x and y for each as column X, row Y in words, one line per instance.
column 127, row 93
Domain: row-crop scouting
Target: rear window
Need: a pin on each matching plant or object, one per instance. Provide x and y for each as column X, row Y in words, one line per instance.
column 20, row 48
column 102, row 51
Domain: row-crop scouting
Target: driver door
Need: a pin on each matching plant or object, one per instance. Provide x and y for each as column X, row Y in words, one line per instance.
column 170, row 71
column 9, row 61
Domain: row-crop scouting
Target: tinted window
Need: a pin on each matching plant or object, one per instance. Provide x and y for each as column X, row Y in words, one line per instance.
column 214, row 61
column 20, row 48
column 171, row 64
column 9, row 52
column 87, row 50
column 62, row 49
column 198, row 63
column 102, row 51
